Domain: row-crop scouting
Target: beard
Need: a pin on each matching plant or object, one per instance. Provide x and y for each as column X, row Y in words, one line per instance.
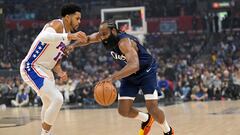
column 73, row 28
column 110, row 42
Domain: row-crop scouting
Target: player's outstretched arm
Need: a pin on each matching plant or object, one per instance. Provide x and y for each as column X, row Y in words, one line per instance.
column 93, row 38
column 54, row 32
column 132, row 59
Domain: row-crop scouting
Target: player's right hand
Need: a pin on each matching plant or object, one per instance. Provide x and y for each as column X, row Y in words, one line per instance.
column 63, row 76
column 79, row 36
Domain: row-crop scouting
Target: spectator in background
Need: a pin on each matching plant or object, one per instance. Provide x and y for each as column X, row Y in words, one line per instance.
column 233, row 91
column 22, row 97
column 178, row 89
column 185, row 91
column 1, row 98
column 3, row 86
column 69, row 95
column 198, row 94
column 187, row 86
column 207, row 83
column 87, row 96
column 165, row 88
column 217, row 87
column 163, row 83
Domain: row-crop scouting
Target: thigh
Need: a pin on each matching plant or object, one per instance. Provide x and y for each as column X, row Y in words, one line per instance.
column 125, row 104
column 34, row 81
column 35, row 77
column 148, row 83
column 128, row 90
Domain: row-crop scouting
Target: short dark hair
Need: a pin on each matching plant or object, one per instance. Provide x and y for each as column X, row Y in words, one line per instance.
column 70, row 8
column 110, row 23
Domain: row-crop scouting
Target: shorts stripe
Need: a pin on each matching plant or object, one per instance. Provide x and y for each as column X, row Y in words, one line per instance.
column 29, row 68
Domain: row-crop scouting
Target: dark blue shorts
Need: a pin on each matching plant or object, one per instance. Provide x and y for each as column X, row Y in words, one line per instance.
column 146, row 81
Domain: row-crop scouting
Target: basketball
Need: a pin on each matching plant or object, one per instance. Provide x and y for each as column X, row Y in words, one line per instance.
column 105, row 93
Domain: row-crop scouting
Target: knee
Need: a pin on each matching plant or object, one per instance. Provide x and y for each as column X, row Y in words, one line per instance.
column 152, row 108
column 59, row 100
column 157, row 113
column 123, row 112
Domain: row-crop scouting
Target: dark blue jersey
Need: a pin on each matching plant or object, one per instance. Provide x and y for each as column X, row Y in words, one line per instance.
column 145, row 58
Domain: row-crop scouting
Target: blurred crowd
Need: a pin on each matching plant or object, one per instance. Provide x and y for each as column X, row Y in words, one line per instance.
column 31, row 10
column 193, row 66
column 26, row 9
column 198, row 67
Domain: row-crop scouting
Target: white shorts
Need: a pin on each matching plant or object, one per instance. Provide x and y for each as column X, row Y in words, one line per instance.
column 36, row 76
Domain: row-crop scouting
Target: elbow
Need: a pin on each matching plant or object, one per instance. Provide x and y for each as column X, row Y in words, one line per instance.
column 43, row 37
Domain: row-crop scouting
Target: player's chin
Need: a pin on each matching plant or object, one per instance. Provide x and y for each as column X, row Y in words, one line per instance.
column 74, row 29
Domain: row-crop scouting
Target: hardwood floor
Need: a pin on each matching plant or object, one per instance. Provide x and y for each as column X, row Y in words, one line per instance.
column 192, row 118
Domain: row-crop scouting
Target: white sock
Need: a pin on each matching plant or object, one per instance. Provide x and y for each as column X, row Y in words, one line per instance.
column 165, row 127
column 142, row 116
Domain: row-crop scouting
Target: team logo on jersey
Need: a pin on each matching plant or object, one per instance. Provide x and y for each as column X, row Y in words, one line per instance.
column 60, row 54
column 117, row 56
column 62, row 46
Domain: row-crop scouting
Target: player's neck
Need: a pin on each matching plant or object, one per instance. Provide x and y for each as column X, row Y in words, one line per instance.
column 66, row 26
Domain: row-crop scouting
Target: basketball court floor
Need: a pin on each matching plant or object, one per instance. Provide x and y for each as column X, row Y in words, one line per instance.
column 191, row 118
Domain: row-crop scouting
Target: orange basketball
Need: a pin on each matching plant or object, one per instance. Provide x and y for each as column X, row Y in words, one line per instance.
column 105, row 93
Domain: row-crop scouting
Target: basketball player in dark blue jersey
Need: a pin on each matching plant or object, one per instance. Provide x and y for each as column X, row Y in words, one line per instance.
column 138, row 71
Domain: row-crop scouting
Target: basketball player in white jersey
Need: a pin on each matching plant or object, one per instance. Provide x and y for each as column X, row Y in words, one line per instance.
column 44, row 58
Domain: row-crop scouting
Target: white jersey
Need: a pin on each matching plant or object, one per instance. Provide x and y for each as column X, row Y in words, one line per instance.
column 46, row 50
column 45, row 54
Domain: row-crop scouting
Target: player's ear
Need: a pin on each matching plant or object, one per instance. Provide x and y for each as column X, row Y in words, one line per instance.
column 67, row 17
column 114, row 31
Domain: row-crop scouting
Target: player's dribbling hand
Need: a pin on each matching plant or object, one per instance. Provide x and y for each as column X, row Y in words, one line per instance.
column 63, row 76
column 109, row 79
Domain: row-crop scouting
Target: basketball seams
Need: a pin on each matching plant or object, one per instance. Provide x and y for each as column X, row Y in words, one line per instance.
column 113, row 94
column 102, row 95
column 97, row 97
column 110, row 97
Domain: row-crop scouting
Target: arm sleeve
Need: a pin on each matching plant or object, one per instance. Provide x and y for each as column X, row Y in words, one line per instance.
column 50, row 35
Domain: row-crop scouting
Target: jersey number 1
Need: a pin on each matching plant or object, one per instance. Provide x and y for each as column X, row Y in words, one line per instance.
column 58, row 57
